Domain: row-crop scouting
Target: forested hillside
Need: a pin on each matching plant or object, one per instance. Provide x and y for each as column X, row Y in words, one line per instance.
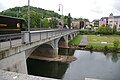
column 38, row 16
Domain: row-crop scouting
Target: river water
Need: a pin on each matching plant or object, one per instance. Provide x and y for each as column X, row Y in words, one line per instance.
column 93, row 65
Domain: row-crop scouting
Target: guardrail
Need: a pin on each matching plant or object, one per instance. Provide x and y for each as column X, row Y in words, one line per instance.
column 8, row 37
column 12, row 40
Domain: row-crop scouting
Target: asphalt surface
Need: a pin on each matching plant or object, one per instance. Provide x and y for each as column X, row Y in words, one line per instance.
column 84, row 40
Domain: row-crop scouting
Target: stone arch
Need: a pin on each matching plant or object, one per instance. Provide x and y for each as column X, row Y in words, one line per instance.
column 73, row 35
column 63, row 42
column 69, row 37
column 44, row 50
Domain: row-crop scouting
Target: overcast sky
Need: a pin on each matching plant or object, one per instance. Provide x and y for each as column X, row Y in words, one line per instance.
column 91, row 9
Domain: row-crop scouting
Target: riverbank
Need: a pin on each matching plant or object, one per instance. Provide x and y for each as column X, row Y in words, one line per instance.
column 63, row 58
column 60, row 58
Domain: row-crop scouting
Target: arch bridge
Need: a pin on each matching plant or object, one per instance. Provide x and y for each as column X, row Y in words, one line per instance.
column 45, row 43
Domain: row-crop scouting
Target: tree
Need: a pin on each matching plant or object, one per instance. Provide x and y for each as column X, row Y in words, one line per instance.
column 69, row 20
column 114, row 29
column 116, row 45
column 104, row 30
column 45, row 23
column 53, row 22
column 35, row 15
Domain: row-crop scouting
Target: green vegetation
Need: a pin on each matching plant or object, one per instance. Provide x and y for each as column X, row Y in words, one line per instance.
column 38, row 16
column 104, row 43
column 107, row 30
column 76, row 40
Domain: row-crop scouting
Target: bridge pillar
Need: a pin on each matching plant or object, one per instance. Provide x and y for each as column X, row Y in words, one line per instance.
column 15, row 63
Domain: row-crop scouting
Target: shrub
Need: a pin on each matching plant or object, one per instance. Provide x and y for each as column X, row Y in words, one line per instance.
column 106, row 48
column 116, row 45
column 105, row 30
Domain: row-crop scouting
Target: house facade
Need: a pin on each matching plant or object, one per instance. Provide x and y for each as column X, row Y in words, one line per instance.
column 111, row 21
column 80, row 23
column 95, row 22
column 103, row 21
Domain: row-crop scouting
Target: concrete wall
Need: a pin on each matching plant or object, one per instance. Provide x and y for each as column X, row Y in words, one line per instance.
column 15, row 63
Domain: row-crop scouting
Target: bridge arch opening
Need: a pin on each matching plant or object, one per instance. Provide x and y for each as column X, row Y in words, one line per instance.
column 44, row 50
column 69, row 37
column 62, row 43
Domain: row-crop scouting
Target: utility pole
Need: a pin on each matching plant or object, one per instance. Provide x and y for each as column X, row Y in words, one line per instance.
column 28, row 15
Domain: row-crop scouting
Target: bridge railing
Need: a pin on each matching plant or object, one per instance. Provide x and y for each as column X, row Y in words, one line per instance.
column 38, row 35
column 12, row 40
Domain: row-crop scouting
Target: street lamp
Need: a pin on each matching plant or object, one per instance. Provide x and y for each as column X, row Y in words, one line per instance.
column 60, row 5
column 28, row 15
column 62, row 8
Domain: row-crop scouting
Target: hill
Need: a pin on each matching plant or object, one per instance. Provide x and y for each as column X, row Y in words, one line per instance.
column 38, row 15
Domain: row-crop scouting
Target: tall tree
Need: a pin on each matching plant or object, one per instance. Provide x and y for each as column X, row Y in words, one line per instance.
column 53, row 22
column 45, row 23
column 69, row 20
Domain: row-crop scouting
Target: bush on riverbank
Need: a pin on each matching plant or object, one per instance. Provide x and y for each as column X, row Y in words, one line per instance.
column 87, row 32
column 105, row 48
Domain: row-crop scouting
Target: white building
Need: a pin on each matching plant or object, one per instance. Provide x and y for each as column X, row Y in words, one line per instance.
column 111, row 21
column 114, row 20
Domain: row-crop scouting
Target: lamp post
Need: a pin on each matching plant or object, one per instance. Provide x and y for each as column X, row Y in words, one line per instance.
column 62, row 8
column 28, row 15
column 60, row 5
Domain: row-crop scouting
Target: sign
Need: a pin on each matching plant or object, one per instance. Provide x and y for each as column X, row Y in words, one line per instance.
column 3, row 25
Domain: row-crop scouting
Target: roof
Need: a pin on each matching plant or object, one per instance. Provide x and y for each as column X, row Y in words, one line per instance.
column 104, row 18
column 116, row 16
column 96, row 20
column 10, row 17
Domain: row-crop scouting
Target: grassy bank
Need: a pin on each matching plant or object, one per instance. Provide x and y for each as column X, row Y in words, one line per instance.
column 99, row 42
column 76, row 40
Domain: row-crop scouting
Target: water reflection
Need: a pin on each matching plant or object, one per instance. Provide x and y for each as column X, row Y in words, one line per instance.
column 97, row 65
column 94, row 65
column 114, row 57
column 64, row 51
column 49, row 69
column 46, row 69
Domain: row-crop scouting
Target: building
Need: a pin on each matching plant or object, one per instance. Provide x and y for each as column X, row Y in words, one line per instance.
column 111, row 21
column 95, row 22
column 76, row 24
column 103, row 21
column 80, row 24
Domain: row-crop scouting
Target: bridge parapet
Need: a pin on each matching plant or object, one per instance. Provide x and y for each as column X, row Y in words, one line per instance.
column 13, row 40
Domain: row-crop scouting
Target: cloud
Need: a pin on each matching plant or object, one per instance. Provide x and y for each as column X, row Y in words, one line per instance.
column 117, row 5
column 96, row 11
column 1, row 6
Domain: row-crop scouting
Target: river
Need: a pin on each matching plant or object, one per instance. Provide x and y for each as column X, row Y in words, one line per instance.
column 95, row 65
